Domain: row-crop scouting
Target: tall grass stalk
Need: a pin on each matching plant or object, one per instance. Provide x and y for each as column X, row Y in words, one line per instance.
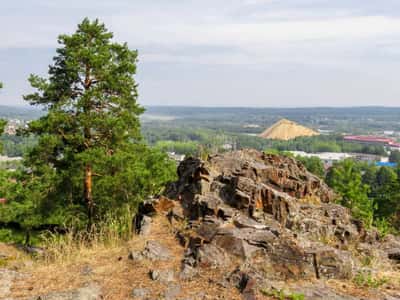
column 111, row 232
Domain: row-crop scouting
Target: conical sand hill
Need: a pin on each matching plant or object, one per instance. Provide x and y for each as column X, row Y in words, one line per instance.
column 286, row 130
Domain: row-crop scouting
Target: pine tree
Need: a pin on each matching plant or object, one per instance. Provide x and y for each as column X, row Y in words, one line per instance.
column 89, row 140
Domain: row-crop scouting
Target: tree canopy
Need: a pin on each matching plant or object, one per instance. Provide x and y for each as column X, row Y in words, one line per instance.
column 346, row 179
column 395, row 157
column 89, row 158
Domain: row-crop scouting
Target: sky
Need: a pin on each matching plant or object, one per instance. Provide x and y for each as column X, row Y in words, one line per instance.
column 267, row 53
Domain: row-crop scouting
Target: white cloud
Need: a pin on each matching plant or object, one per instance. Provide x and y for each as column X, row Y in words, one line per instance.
column 350, row 36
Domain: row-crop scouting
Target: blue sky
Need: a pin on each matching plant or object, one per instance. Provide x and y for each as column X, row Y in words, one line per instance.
column 224, row 52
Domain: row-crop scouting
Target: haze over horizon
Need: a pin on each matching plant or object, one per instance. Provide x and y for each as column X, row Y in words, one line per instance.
column 266, row 53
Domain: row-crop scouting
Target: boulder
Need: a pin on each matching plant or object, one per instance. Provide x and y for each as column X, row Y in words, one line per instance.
column 211, row 256
column 155, row 251
column 330, row 262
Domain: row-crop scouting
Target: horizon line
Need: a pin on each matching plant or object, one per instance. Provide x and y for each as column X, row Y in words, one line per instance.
column 28, row 106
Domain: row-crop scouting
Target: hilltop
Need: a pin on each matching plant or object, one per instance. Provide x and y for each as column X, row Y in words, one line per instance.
column 286, row 130
column 241, row 225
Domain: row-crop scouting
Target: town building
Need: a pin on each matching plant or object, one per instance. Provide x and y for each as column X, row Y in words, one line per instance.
column 374, row 140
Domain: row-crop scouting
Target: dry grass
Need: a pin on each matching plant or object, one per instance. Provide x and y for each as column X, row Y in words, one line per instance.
column 11, row 257
column 310, row 199
column 73, row 265
column 109, row 267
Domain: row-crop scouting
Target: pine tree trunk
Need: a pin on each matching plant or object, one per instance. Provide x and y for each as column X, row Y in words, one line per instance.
column 88, row 193
column 27, row 237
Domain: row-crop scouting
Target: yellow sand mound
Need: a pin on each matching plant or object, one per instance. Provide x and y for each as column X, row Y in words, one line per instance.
column 286, row 130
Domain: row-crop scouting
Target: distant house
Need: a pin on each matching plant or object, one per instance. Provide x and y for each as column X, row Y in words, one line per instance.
column 374, row 140
column 388, row 132
column 325, row 131
column 6, row 158
column 328, row 158
column 251, row 126
column 369, row 157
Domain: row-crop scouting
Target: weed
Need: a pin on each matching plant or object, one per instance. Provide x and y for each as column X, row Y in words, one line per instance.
column 365, row 279
column 366, row 260
column 384, row 227
column 282, row 295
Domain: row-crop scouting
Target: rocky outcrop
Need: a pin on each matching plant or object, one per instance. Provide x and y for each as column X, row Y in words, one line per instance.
column 268, row 215
column 249, row 181
column 250, row 204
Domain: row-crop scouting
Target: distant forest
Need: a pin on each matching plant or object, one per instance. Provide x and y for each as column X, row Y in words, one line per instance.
column 190, row 130
column 357, row 120
column 234, row 119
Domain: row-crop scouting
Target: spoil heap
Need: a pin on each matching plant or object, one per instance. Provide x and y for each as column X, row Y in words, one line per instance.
column 286, row 130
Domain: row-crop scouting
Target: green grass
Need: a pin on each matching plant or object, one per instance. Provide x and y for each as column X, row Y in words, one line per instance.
column 18, row 236
column 365, row 279
column 282, row 295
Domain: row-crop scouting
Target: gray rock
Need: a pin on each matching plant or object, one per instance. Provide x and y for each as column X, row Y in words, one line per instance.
column 208, row 228
column 329, row 262
column 140, row 293
column 198, row 296
column 135, row 255
column 164, row 276
column 6, row 280
column 188, row 272
column 209, row 255
column 242, row 221
column 32, row 250
column 319, row 291
column 394, row 254
column 155, row 251
column 145, row 225
column 90, row 292
column 172, row 292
